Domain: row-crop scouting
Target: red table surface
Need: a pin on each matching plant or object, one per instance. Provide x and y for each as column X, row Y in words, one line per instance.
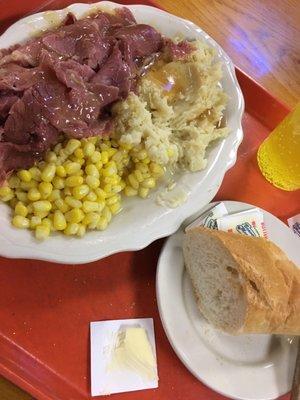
column 45, row 308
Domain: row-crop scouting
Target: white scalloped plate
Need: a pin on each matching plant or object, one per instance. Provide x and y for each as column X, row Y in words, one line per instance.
column 141, row 221
column 247, row 367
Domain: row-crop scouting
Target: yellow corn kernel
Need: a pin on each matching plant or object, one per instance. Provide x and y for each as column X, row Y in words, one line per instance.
column 67, row 191
column 106, row 213
column 116, row 189
column 42, row 232
column 72, row 202
column 91, row 196
column 13, row 202
column 92, row 170
column 143, row 192
column 115, row 208
column 99, row 165
column 72, row 145
column 148, row 183
column 101, row 194
column 93, row 139
column 113, row 180
column 59, row 221
column 90, row 206
column 47, row 222
column 102, row 223
column 34, row 222
column 74, row 216
column 79, row 154
column 21, row 209
column 14, row 182
column 71, row 229
column 24, row 175
column 55, row 194
column 60, row 171
column 61, row 205
column 35, row 173
column 28, row 185
column 79, row 192
column 104, row 157
column 45, row 189
column 88, row 149
column 20, row 222
column 142, row 167
column 112, row 200
column 74, row 180
column 91, row 220
column 107, row 188
column 22, row 196
column 156, row 170
column 111, row 152
column 30, row 208
column 51, row 157
column 129, row 191
column 126, row 146
column 109, row 171
column 133, row 181
column 72, row 168
column 81, row 230
column 41, row 214
column 7, row 194
column 138, row 175
column 122, row 184
column 48, row 173
column 146, row 160
column 42, row 206
column 92, row 181
column 33, row 194
column 57, row 148
column 95, row 157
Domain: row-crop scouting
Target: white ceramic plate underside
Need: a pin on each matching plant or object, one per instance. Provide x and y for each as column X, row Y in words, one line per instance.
column 250, row 367
column 141, row 221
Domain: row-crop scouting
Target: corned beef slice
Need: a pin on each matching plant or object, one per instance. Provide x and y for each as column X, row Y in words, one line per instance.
column 65, row 80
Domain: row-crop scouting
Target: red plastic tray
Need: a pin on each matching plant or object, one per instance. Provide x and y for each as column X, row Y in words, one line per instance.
column 45, row 308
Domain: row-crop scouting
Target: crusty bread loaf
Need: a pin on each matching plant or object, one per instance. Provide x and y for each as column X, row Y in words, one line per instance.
column 243, row 284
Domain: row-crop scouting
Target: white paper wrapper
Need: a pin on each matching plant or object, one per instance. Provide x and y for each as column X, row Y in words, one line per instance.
column 249, row 222
column 209, row 218
column 294, row 224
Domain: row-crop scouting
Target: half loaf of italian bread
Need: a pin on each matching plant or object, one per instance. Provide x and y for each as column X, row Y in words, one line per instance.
column 243, row 284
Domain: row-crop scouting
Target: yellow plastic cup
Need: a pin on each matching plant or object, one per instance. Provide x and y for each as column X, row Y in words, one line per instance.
column 278, row 156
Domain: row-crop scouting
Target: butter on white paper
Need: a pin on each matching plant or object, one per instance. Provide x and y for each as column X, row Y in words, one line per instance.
column 123, row 356
column 294, row 224
column 209, row 217
column 249, row 222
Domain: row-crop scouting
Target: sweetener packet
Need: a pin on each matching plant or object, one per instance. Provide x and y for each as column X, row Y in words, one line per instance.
column 209, row 217
column 294, row 224
column 249, row 222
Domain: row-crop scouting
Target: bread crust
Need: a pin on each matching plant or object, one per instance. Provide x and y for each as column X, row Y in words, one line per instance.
column 270, row 281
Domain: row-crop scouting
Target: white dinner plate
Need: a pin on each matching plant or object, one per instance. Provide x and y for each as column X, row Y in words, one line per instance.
column 250, row 367
column 141, row 221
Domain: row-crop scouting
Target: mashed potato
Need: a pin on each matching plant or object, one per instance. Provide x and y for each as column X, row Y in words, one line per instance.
column 177, row 111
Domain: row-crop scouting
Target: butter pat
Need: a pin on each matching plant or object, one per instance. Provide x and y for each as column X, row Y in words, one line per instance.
column 123, row 356
column 249, row 222
column 132, row 351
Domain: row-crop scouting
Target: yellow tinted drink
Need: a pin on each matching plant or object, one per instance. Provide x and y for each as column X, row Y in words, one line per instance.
column 279, row 155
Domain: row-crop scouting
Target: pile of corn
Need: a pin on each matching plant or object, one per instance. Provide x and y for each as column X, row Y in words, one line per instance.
column 79, row 186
